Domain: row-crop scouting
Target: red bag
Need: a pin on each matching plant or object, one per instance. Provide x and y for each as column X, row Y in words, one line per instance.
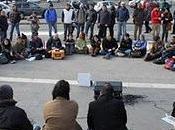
column 169, row 63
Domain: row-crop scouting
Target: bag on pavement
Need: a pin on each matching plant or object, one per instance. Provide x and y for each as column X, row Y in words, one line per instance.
column 57, row 54
column 3, row 59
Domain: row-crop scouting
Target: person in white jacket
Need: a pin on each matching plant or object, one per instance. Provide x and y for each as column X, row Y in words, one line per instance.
column 67, row 18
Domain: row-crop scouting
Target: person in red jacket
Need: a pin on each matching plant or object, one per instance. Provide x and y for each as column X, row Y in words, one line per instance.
column 156, row 21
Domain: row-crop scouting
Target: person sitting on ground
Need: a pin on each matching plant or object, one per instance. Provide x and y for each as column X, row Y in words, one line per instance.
column 156, row 49
column 95, row 45
column 36, row 46
column 109, row 45
column 125, row 46
column 20, row 49
column 81, row 44
column 107, row 112
column 70, row 45
column 139, row 47
column 53, row 43
column 61, row 112
column 12, row 117
column 8, row 51
column 169, row 52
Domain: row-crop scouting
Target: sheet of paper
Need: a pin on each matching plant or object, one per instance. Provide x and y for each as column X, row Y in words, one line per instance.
column 84, row 79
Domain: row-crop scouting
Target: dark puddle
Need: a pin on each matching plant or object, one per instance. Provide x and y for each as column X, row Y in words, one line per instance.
column 130, row 99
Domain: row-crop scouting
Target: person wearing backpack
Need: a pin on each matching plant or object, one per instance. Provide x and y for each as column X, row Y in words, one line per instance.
column 51, row 19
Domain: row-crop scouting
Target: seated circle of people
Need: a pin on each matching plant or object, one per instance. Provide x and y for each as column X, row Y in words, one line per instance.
column 81, row 44
column 155, row 50
column 95, row 45
column 60, row 113
column 139, row 47
column 109, row 45
column 125, row 47
column 12, row 117
column 53, row 47
column 107, row 112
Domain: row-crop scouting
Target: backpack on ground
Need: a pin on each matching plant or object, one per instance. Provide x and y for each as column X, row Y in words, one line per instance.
column 57, row 54
column 3, row 59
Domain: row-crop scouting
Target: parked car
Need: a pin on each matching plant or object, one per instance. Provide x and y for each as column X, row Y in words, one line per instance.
column 99, row 5
column 54, row 1
column 26, row 9
column 34, row 1
column 5, row 8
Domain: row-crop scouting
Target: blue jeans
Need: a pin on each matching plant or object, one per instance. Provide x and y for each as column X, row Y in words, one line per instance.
column 121, row 30
column 80, row 28
column 90, row 26
column 14, row 25
column 54, row 25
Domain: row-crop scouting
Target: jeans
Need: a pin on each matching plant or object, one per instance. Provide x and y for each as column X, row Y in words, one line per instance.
column 14, row 25
column 3, row 35
column 147, row 27
column 54, row 25
column 121, row 30
column 111, row 30
column 164, row 32
column 67, row 28
column 90, row 26
column 80, row 28
column 156, row 29
column 167, row 54
column 102, row 31
column 136, row 29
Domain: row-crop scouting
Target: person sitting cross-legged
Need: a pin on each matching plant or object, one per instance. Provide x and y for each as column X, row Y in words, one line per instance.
column 139, row 48
column 53, row 43
column 156, row 49
column 95, row 45
column 125, row 47
column 109, row 45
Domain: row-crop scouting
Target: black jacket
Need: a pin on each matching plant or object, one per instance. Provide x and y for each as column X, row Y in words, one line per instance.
column 15, row 17
column 91, row 16
column 3, row 23
column 113, row 16
column 12, row 117
column 36, row 43
column 53, row 43
column 106, row 44
column 107, row 113
column 104, row 18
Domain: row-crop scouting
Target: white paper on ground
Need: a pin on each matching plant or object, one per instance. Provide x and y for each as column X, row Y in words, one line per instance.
column 169, row 119
column 84, row 79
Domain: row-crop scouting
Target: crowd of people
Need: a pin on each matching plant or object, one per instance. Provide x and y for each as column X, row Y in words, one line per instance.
column 83, row 21
column 106, row 112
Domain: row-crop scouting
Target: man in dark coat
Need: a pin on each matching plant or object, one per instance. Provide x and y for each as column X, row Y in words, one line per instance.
column 104, row 20
column 3, row 26
column 107, row 113
column 11, row 117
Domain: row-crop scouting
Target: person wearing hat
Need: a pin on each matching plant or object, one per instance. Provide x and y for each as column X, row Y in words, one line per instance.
column 122, row 15
column 51, row 19
column 11, row 116
column 107, row 112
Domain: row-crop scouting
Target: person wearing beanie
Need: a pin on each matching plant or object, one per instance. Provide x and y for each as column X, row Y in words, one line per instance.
column 11, row 116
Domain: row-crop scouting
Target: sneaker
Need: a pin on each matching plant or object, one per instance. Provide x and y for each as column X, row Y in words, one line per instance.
column 13, row 62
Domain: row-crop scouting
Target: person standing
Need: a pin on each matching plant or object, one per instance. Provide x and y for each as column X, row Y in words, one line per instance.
column 122, row 15
column 156, row 21
column 51, row 19
column 34, row 23
column 91, row 18
column 173, row 32
column 147, row 18
column 138, row 19
column 67, row 18
column 15, row 18
column 104, row 20
column 107, row 112
column 60, row 113
column 113, row 16
column 166, row 25
column 3, row 26
column 81, row 19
